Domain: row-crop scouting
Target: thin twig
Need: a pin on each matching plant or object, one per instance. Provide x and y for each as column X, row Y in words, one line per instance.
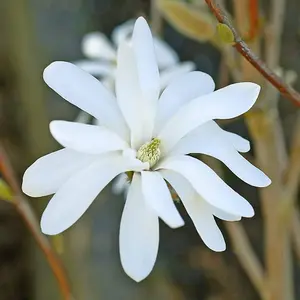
column 273, row 45
column 286, row 90
column 291, row 180
column 247, row 257
column 224, row 72
column 241, row 16
column 292, row 175
column 156, row 18
column 253, row 19
column 273, row 32
column 25, row 211
column 295, row 233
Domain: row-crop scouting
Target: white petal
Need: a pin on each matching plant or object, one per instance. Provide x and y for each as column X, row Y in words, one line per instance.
column 96, row 45
column 130, row 153
column 146, row 60
column 211, row 140
column 181, row 91
column 223, row 215
column 158, row 198
column 185, row 190
column 129, row 96
column 168, row 75
column 209, row 185
column 47, row 174
column 238, row 142
column 86, row 138
column 122, row 32
column 205, row 223
column 199, row 211
column 78, row 193
column 165, row 55
column 139, row 234
column 86, row 92
column 225, row 103
column 96, row 68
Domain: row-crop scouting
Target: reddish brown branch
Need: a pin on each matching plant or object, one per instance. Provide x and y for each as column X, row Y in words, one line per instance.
column 24, row 209
column 286, row 90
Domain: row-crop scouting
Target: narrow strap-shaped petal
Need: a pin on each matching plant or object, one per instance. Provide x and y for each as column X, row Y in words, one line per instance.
column 170, row 74
column 205, row 224
column 158, row 198
column 96, row 45
column 199, row 211
column 225, row 103
column 47, row 174
column 239, row 143
column 185, row 190
column 78, row 193
column 139, row 234
column 209, row 185
column 129, row 96
column 86, row 92
column 86, row 138
column 211, row 140
column 146, row 60
column 166, row 56
column 225, row 216
column 96, row 67
column 179, row 92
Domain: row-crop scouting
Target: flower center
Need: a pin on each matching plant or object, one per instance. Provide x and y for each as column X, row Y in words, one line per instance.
column 149, row 152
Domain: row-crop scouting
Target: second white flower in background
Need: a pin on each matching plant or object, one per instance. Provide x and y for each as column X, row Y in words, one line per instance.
column 101, row 56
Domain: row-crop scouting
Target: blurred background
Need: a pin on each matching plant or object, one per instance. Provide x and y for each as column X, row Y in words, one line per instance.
column 263, row 253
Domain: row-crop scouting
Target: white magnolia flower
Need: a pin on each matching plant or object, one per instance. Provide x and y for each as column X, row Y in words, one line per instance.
column 151, row 137
column 102, row 55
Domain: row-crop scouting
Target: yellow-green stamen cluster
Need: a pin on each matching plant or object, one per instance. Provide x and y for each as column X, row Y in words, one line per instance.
column 150, row 152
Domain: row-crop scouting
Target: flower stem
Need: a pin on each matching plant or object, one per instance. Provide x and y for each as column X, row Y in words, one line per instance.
column 286, row 90
column 23, row 208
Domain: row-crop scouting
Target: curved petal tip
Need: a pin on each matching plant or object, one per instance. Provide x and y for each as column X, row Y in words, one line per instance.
column 47, row 227
column 138, row 276
column 248, row 211
column 141, row 21
column 219, row 248
column 56, row 69
column 264, row 181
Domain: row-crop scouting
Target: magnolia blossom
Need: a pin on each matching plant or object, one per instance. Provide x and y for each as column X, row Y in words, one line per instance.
column 102, row 55
column 149, row 136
